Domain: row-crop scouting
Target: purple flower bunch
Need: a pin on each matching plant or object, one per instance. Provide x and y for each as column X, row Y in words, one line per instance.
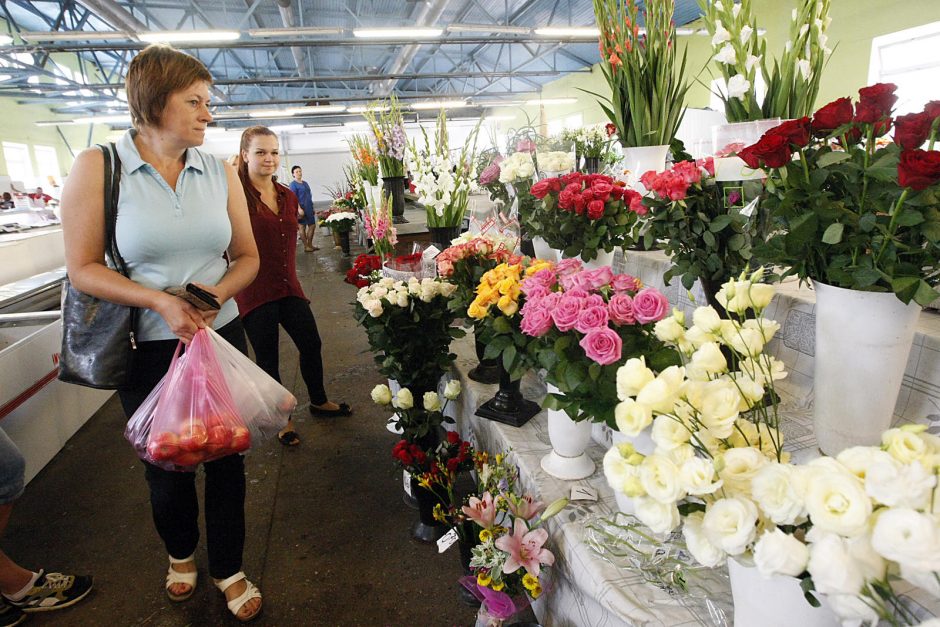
column 490, row 173
column 396, row 147
column 597, row 306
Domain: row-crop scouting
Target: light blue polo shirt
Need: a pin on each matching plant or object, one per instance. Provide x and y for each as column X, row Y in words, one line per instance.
column 173, row 237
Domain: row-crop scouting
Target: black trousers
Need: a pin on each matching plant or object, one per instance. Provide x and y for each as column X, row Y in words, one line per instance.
column 173, row 494
column 292, row 313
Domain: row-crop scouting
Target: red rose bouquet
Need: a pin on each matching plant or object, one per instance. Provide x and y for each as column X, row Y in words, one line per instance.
column 700, row 224
column 851, row 210
column 583, row 213
column 583, row 325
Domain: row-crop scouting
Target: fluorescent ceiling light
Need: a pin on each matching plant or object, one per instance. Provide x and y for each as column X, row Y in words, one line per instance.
column 363, row 109
column 74, row 35
column 285, row 127
column 397, row 33
column 357, row 124
column 175, row 36
column 587, row 32
column 123, row 118
column 551, row 101
column 54, row 123
column 5, row 77
column 271, row 113
column 501, row 103
column 294, row 32
column 440, row 104
column 488, row 28
column 5, row 40
column 317, row 110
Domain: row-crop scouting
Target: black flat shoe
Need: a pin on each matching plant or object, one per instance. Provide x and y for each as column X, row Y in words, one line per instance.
column 289, row 438
column 342, row 410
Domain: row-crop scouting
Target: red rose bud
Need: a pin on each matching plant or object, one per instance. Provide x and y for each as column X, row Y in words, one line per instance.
column 796, row 132
column 772, row 150
column 540, row 190
column 933, row 109
column 595, row 209
column 748, row 156
column 832, row 116
column 879, row 95
column 611, row 129
column 453, row 437
column 919, row 169
column 911, row 131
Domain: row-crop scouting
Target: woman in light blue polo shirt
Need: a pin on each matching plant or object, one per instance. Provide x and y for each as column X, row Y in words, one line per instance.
column 180, row 210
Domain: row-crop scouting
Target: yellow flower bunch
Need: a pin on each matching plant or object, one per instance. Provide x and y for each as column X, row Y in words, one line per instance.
column 531, row 583
column 486, row 535
column 501, row 286
column 484, row 579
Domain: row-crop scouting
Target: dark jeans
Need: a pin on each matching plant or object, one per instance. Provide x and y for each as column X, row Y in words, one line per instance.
column 173, row 494
column 292, row 313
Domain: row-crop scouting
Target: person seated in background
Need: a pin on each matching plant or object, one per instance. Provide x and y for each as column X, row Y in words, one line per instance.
column 40, row 195
column 23, row 591
column 7, row 202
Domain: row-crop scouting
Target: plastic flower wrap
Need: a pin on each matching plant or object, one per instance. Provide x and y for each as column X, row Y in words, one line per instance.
column 444, row 180
column 409, row 327
column 581, row 214
column 583, row 325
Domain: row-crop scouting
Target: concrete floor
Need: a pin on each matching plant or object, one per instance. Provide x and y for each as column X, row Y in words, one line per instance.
column 328, row 535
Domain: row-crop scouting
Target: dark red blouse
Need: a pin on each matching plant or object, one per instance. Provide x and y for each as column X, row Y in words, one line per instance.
column 276, row 237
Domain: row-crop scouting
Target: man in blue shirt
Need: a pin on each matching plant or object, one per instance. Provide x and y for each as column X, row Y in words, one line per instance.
column 308, row 221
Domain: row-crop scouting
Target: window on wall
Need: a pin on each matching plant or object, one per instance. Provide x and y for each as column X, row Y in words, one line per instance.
column 911, row 60
column 19, row 165
column 47, row 162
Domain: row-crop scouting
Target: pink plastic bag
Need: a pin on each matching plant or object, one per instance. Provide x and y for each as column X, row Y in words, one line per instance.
column 265, row 404
column 190, row 417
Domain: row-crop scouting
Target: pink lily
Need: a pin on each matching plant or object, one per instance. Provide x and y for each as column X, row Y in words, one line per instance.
column 525, row 507
column 525, row 549
column 482, row 512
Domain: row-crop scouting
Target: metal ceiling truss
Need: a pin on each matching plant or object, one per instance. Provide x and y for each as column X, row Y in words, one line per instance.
column 294, row 70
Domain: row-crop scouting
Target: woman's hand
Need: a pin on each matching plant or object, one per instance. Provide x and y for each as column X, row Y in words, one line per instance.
column 182, row 318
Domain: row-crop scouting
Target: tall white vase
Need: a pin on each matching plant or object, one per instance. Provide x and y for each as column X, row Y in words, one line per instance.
column 640, row 159
column 603, row 258
column 863, row 340
column 569, row 440
column 774, row 602
column 543, row 250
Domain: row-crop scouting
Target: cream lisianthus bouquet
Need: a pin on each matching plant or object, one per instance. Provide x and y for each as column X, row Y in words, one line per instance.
column 341, row 221
column 556, row 161
column 409, row 327
column 444, row 180
column 740, row 52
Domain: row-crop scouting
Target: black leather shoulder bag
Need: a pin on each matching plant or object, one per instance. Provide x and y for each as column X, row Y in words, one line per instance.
column 98, row 342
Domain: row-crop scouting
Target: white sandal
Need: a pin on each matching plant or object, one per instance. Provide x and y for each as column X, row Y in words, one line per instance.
column 175, row 576
column 236, row 604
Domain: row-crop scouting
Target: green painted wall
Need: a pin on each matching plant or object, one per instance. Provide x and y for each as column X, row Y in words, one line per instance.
column 854, row 24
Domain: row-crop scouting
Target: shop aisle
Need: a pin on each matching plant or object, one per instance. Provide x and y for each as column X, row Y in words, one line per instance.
column 328, row 535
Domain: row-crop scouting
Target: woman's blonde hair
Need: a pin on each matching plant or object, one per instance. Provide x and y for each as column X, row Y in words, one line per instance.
column 153, row 75
column 247, row 135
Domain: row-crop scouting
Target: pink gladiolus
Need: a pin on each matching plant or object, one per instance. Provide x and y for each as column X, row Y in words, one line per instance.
column 602, row 345
column 526, row 507
column 525, row 549
column 482, row 512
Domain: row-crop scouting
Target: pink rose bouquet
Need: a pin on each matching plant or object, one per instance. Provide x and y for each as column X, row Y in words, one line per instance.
column 583, row 325
column 581, row 214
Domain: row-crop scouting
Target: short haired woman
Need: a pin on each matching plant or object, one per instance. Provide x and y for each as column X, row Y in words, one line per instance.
column 182, row 218
column 275, row 298
column 308, row 221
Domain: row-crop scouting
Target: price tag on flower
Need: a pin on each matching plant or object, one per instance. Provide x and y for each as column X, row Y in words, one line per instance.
column 583, row 493
column 448, row 540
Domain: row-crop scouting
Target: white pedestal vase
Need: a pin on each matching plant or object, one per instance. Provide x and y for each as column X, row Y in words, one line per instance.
column 603, row 259
column 392, row 424
column 543, row 250
column 644, row 445
column 863, row 340
column 639, row 160
column 569, row 440
column 774, row 602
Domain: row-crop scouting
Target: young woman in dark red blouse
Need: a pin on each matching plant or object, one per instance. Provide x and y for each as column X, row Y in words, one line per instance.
column 275, row 297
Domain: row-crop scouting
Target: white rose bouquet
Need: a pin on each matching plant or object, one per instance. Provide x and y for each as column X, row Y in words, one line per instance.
column 341, row 221
column 410, row 327
column 556, row 161
column 444, row 181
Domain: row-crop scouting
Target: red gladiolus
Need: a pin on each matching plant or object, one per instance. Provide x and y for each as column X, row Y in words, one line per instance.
column 911, row 131
column 797, row 132
column 919, row 169
column 832, row 116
